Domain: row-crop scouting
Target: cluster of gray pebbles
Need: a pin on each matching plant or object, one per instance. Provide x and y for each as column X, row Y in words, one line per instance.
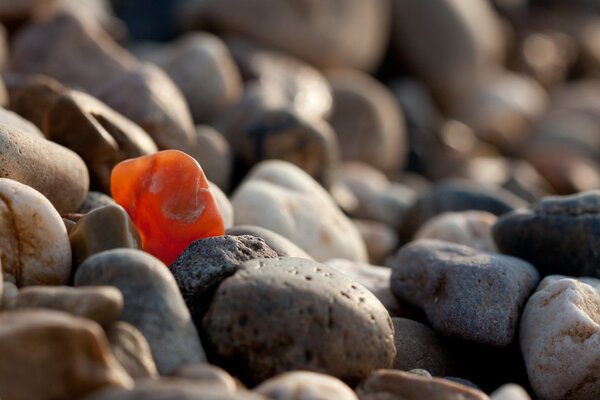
column 410, row 190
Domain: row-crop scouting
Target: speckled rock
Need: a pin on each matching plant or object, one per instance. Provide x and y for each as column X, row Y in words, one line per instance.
column 510, row 391
column 301, row 85
column 214, row 154
column 367, row 120
column 280, row 245
column 279, row 315
column 471, row 228
column 101, row 303
column 35, row 246
column 559, row 339
column 103, row 228
column 76, row 359
column 381, row 239
column 152, row 303
column 205, row 263
column 131, row 349
column 457, row 196
column 394, row 384
column 372, row 277
column 223, row 204
column 419, row 347
column 210, row 374
column 467, row 294
column 559, row 235
column 306, row 214
column 322, row 33
column 201, row 66
column 55, row 171
column 304, row 385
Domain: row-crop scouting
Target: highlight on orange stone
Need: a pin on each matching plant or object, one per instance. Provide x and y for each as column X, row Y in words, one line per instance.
column 166, row 195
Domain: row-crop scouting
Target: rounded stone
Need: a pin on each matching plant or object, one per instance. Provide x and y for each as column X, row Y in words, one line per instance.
column 305, row 385
column 209, row 374
column 35, row 247
column 152, row 303
column 279, row 244
column 279, row 315
column 281, row 197
column 368, row 121
column 559, row 235
column 94, row 200
column 75, row 360
column 53, row 170
column 470, row 228
column 131, row 349
column 101, row 303
column 381, row 239
column 465, row 293
column 223, row 204
column 214, row 154
column 510, row 391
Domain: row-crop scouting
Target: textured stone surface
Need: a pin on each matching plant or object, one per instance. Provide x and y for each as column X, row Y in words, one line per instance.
column 205, row 263
column 303, row 385
column 559, row 339
column 75, row 359
column 152, row 303
column 101, row 303
column 306, row 214
column 279, row 315
column 35, row 246
column 131, row 349
column 559, row 235
column 394, row 384
column 282, row 246
column 467, row 294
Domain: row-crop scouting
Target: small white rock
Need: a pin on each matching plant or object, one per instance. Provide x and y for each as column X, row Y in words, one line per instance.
column 223, row 204
column 281, row 197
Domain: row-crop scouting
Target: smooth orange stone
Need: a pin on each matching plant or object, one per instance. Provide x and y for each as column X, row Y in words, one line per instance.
column 167, row 197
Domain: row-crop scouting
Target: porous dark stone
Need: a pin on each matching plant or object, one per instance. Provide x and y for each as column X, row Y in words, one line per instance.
column 280, row 244
column 559, row 235
column 205, row 263
column 152, row 303
column 465, row 293
column 456, row 196
column 279, row 315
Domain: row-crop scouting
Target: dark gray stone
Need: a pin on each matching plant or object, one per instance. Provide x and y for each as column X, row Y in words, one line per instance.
column 280, row 244
column 560, row 235
column 466, row 294
column 152, row 303
column 279, row 315
column 205, row 263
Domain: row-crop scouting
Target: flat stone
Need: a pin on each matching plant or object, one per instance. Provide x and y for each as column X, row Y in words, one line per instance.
column 75, row 360
column 152, row 303
column 131, row 349
column 205, row 263
column 465, row 293
column 101, row 304
column 279, row 315
column 559, row 235
column 304, row 385
column 35, row 246
column 559, row 336
column 281, row 197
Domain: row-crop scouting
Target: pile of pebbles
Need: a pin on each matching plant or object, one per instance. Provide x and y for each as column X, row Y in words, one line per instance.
column 410, row 189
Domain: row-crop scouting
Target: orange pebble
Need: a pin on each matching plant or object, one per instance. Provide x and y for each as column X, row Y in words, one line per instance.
column 166, row 195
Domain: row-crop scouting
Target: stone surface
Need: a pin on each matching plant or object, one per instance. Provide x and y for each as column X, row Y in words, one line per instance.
column 205, row 263
column 282, row 246
column 201, row 65
column 131, row 349
column 53, row 170
column 326, row 34
column 75, row 359
column 214, row 154
column 367, row 120
column 559, row 339
column 375, row 278
column 470, row 228
column 467, row 294
column 559, row 235
column 35, row 246
column 95, row 200
column 279, row 315
column 210, row 374
column 307, row 215
column 456, row 196
column 303, row 385
column 103, row 228
column 152, row 303
column 394, row 384
column 223, row 204
column 10, row 292
column 510, row 391
column 101, row 303
column 381, row 240
column 419, row 347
